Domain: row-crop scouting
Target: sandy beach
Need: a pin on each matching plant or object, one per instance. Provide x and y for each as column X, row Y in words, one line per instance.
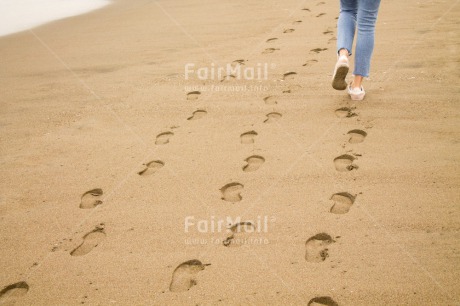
column 118, row 166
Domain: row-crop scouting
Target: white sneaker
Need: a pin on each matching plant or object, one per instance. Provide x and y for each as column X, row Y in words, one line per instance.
column 356, row 94
column 340, row 73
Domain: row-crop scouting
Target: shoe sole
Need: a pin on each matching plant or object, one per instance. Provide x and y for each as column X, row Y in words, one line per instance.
column 338, row 82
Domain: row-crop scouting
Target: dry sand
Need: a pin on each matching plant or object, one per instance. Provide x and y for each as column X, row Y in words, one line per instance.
column 83, row 101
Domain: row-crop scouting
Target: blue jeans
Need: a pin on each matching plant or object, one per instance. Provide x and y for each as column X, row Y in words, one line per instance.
column 362, row 13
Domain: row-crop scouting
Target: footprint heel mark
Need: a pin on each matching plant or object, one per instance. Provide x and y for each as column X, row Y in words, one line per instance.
column 238, row 62
column 91, row 198
column 12, row 293
column 296, row 22
column 238, row 234
column 270, row 100
column 306, row 9
column 289, row 75
column 288, row 31
column 316, row 247
column 318, row 50
column 356, row 136
column 342, row 202
column 344, row 163
column 270, row 40
column 232, row 192
column 272, row 117
column 322, row 300
column 90, row 241
column 269, row 50
column 291, row 88
column 248, row 137
column 151, row 167
column 163, row 138
column 331, row 39
column 345, row 112
column 228, row 77
column 309, row 62
column 193, row 95
column 254, row 162
column 198, row 114
column 320, row 14
column 184, row 276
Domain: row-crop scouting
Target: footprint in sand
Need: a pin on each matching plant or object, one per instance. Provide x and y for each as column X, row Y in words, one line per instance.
column 12, row 293
column 331, row 39
column 344, row 163
column 322, row 300
column 254, row 162
column 306, row 9
column 198, row 114
column 316, row 247
column 270, row 100
column 297, row 21
column 310, row 62
column 272, row 117
column 270, row 40
column 90, row 241
column 193, row 95
column 292, row 88
column 231, row 192
column 228, row 77
column 356, row 136
column 91, row 199
column 328, row 31
column 163, row 138
column 184, row 276
column 288, row 31
column 345, row 112
column 248, row 137
column 318, row 50
column 342, row 203
column 320, row 3
column 237, row 63
column 239, row 233
column 269, row 50
column 151, row 167
column 320, row 14
column 289, row 75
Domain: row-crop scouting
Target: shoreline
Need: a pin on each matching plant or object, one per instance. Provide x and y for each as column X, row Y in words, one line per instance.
column 60, row 10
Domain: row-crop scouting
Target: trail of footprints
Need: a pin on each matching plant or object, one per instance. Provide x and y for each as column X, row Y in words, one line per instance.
column 184, row 277
column 317, row 246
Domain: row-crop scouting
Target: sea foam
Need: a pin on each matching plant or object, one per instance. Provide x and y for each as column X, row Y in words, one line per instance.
column 20, row 15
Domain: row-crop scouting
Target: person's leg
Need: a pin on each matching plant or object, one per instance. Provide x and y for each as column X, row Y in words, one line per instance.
column 367, row 16
column 346, row 26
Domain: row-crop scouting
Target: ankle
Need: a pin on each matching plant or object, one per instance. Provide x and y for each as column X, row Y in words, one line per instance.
column 357, row 82
column 344, row 52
